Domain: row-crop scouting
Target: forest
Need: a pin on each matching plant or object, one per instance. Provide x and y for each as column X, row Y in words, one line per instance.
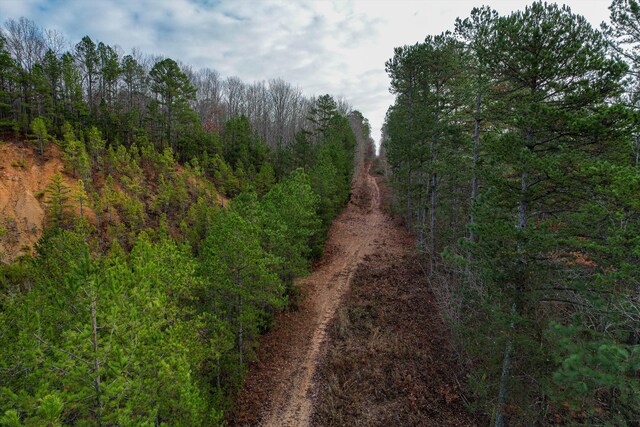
column 217, row 252
column 514, row 150
column 187, row 206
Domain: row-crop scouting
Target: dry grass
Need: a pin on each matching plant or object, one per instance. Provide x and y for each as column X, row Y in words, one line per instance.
column 390, row 361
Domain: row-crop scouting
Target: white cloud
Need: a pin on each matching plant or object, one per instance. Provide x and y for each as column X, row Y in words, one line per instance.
column 336, row 47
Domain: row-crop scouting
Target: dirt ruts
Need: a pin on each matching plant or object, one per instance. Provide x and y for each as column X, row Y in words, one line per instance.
column 289, row 381
column 278, row 389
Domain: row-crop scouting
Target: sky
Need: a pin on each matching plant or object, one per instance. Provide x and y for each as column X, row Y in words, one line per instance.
column 337, row 47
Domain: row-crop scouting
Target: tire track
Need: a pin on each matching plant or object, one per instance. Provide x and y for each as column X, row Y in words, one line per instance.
column 279, row 389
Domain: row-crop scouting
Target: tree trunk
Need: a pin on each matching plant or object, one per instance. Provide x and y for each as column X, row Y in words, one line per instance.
column 504, row 377
column 240, row 330
column 169, row 119
column 523, row 212
column 410, row 123
column 434, row 201
column 422, row 238
column 409, row 201
column 434, row 204
column 523, row 206
column 635, row 146
column 90, row 91
column 420, row 220
column 476, row 156
column 426, row 208
column 96, row 359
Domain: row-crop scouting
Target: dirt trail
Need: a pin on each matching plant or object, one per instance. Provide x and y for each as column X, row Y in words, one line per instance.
column 278, row 390
column 368, row 345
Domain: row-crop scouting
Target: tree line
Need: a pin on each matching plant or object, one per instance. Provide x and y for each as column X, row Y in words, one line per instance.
column 144, row 298
column 513, row 146
column 135, row 95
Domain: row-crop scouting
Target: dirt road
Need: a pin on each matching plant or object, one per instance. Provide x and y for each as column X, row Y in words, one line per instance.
column 278, row 390
column 367, row 345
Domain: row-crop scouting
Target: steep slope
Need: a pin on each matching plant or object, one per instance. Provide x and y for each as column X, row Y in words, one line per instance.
column 25, row 175
column 23, row 179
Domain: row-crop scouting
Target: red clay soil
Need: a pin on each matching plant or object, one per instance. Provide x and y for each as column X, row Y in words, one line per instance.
column 366, row 346
column 24, row 175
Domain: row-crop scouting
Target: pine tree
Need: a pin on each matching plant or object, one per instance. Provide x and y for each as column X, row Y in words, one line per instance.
column 58, row 196
column 289, row 224
column 52, row 71
column 80, row 196
column 173, row 92
column 39, row 129
column 321, row 114
column 234, row 262
column 539, row 293
column 96, row 147
column 7, row 76
column 87, row 55
column 556, row 78
column 475, row 31
column 76, row 157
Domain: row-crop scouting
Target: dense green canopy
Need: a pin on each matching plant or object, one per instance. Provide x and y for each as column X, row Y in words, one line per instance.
column 511, row 146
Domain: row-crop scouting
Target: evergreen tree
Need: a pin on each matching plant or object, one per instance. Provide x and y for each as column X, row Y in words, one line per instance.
column 39, row 129
column 7, row 77
column 76, row 157
column 96, row 147
column 173, row 92
column 537, row 93
column 86, row 54
column 58, row 196
column 114, row 325
column 74, row 105
column 236, row 265
column 241, row 145
column 321, row 113
column 289, row 224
